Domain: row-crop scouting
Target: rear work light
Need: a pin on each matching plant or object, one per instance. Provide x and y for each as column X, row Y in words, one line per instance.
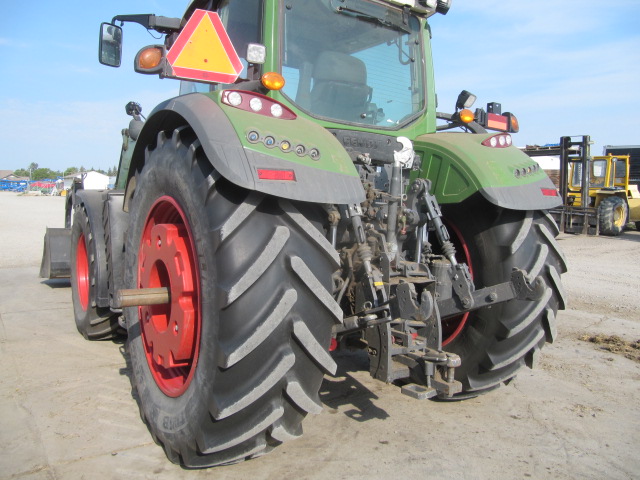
column 257, row 103
column 501, row 140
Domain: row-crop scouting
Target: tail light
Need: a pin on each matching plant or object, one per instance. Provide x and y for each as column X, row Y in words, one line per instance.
column 257, row 103
column 501, row 140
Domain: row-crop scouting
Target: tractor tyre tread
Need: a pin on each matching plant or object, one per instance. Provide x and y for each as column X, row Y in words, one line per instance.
column 498, row 341
column 265, row 331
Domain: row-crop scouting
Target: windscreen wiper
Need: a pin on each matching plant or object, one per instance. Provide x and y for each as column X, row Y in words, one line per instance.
column 385, row 16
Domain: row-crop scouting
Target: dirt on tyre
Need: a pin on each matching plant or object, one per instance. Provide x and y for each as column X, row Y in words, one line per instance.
column 613, row 213
column 495, row 342
column 229, row 369
column 93, row 322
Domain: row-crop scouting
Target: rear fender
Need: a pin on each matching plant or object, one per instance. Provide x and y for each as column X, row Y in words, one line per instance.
column 222, row 132
column 459, row 166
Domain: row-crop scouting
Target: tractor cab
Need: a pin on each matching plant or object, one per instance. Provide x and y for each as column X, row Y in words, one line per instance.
column 356, row 62
column 360, row 63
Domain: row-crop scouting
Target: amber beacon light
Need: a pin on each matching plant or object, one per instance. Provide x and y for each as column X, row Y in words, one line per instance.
column 150, row 58
column 273, row 80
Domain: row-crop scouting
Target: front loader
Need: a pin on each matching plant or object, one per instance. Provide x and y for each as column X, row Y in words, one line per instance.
column 302, row 194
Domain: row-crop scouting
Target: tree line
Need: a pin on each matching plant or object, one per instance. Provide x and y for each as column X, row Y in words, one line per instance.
column 35, row 172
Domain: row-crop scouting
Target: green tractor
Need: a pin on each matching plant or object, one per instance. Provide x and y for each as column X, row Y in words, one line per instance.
column 301, row 195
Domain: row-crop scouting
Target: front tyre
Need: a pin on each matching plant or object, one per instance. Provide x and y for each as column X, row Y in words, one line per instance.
column 93, row 322
column 232, row 365
column 495, row 342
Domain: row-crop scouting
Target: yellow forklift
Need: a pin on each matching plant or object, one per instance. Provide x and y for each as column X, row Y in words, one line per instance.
column 611, row 201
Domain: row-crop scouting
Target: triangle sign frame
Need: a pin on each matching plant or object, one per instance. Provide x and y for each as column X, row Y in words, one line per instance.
column 204, row 52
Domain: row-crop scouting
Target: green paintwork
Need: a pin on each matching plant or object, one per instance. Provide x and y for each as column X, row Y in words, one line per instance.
column 458, row 165
column 128, row 147
column 301, row 131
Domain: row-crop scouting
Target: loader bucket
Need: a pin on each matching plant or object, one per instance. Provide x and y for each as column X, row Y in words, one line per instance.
column 56, row 256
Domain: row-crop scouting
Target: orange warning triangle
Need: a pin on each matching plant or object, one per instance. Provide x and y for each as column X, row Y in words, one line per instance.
column 203, row 51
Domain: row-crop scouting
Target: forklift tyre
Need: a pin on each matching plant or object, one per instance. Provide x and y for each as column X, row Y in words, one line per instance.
column 230, row 367
column 613, row 212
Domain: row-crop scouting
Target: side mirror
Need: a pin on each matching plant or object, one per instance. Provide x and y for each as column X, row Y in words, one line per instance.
column 110, row 52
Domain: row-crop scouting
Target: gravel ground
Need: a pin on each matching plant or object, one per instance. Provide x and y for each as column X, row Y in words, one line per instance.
column 66, row 410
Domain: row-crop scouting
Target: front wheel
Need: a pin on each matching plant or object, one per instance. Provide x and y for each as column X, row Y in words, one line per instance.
column 495, row 342
column 93, row 322
column 230, row 367
column 613, row 213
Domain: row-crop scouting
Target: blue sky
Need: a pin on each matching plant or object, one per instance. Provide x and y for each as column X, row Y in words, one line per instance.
column 566, row 67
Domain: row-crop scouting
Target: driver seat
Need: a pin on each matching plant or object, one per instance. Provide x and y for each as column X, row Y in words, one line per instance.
column 340, row 87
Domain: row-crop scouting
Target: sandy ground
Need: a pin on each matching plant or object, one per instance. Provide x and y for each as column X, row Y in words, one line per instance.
column 66, row 410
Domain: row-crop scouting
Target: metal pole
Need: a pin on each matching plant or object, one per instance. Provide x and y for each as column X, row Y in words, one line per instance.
column 142, row 296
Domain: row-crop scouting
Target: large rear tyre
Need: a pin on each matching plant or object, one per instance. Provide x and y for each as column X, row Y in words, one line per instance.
column 93, row 322
column 613, row 212
column 495, row 342
column 232, row 365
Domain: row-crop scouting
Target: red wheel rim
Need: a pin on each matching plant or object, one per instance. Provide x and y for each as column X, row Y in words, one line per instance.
column 170, row 332
column 82, row 273
column 452, row 326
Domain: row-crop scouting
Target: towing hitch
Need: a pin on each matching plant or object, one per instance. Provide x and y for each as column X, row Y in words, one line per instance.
column 395, row 354
column 409, row 348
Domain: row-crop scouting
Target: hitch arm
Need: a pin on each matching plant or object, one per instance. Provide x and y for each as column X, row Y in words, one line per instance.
column 519, row 288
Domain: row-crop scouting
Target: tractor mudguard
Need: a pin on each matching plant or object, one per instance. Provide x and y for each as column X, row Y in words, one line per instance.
column 93, row 201
column 459, row 165
column 222, row 131
column 116, row 226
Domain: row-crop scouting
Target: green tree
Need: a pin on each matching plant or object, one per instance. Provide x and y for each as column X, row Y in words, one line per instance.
column 70, row 171
column 21, row 172
column 44, row 173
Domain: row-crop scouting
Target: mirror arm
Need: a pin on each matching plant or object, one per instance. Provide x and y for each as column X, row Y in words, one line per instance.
column 150, row 21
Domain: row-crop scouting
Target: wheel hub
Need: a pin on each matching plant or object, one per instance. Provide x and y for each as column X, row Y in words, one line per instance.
column 170, row 332
column 619, row 216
